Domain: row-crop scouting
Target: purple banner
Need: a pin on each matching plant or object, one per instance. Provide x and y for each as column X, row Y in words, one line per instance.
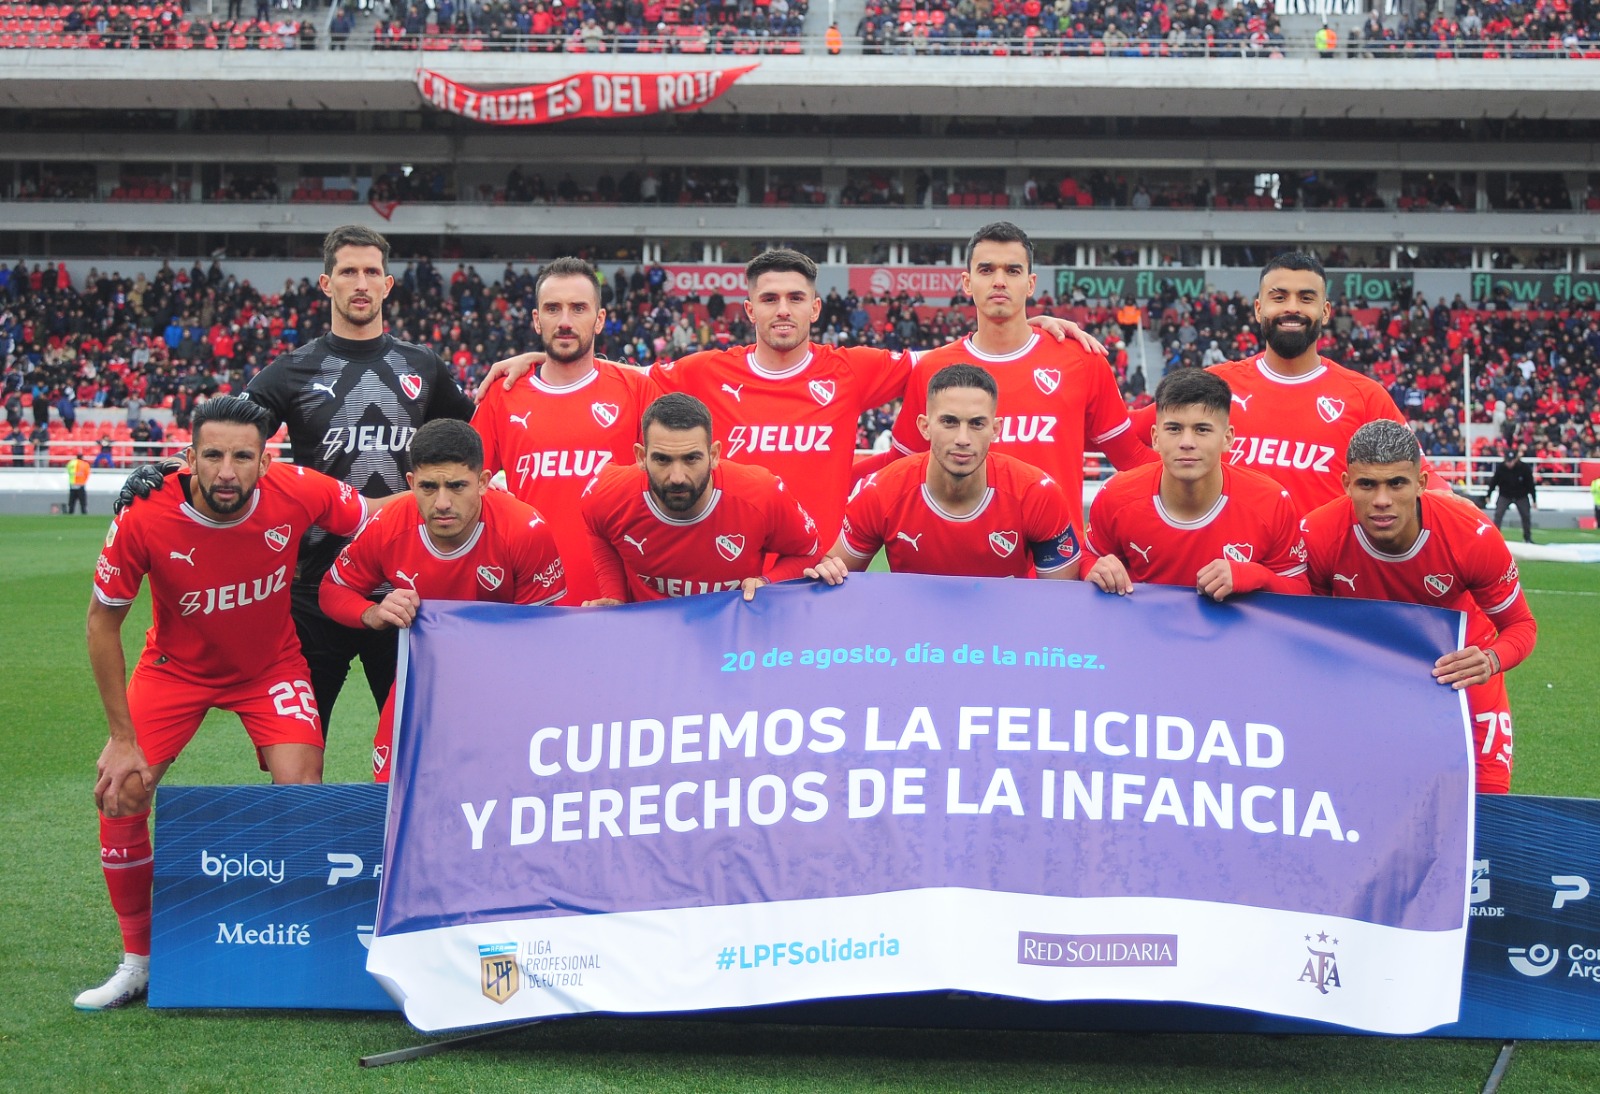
column 890, row 734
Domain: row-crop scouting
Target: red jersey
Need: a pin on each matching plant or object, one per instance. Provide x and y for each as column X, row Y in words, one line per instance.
column 220, row 591
column 550, row 441
column 1022, row 525
column 642, row 552
column 1295, row 429
column 800, row 424
column 1458, row 562
column 510, row 558
column 1056, row 400
column 1253, row 525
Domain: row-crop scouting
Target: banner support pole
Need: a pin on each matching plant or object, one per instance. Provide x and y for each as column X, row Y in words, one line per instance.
column 1501, row 1064
column 433, row 1048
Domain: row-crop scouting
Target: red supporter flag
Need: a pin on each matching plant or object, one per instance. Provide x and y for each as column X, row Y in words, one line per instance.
column 584, row 95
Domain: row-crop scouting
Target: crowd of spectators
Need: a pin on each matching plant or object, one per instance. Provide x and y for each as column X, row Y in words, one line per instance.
column 1490, row 29
column 186, row 334
column 167, row 25
column 590, row 26
column 669, row 186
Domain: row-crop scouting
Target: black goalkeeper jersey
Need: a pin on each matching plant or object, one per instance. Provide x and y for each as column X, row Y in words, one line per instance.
column 351, row 407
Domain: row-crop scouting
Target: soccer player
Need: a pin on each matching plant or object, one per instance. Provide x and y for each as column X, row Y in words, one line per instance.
column 1191, row 519
column 219, row 551
column 1294, row 411
column 1056, row 398
column 450, row 538
column 1389, row 538
column 787, row 403
column 959, row 508
column 684, row 521
column 352, row 399
column 558, row 426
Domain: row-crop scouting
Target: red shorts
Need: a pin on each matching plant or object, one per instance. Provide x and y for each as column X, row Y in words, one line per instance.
column 1491, row 734
column 277, row 707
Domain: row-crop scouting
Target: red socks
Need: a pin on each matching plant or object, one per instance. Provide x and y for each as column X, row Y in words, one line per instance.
column 130, row 868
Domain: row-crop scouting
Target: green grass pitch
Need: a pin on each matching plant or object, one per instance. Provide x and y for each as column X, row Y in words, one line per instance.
column 57, row 934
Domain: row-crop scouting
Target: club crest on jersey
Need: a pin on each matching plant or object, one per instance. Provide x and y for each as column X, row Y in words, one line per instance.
column 1329, row 410
column 605, row 413
column 1003, row 543
column 1438, row 584
column 491, row 577
column 822, row 391
column 730, row 547
column 278, row 538
column 1048, row 379
column 411, row 384
column 1238, row 552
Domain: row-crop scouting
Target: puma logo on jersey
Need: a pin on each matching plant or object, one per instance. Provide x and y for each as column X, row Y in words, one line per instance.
column 1329, row 410
column 778, row 438
column 1350, row 581
column 1438, row 584
column 323, row 387
column 189, row 557
column 411, row 384
column 521, row 419
column 1244, row 400
column 1483, row 527
column 1047, row 379
column 913, row 540
column 730, row 547
column 637, row 544
column 735, row 392
column 536, row 521
column 1144, row 552
column 409, row 579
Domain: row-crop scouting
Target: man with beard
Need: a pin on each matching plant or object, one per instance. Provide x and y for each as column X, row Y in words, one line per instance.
column 567, row 419
column 684, row 521
column 1294, row 411
column 219, row 550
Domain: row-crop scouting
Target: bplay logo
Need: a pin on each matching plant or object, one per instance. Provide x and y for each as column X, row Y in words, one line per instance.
column 343, row 866
column 230, row 867
column 1535, row 960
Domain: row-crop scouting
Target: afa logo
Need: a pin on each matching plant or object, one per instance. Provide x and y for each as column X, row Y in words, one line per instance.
column 730, row 547
column 1322, row 966
column 1329, row 410
column 497, row 965
column 411, row 384
column 491, row 577
column 1047, row 379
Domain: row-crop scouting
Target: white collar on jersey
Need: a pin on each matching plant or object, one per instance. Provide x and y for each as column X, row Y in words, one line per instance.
column 945, row 514
column 1014, row 355
column 540, row 384
column 768, row 374
column 1384, row 556
column 1279, row 378
column 446, row 556
column 1190, row 525
column 667, row 518
column 200, row 518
